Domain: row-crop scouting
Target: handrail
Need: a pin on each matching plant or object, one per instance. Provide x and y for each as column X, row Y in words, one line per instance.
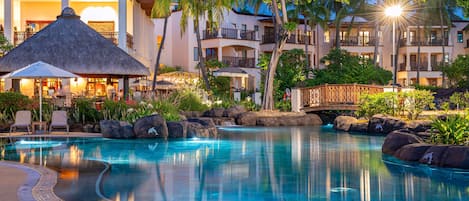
column 335, row 94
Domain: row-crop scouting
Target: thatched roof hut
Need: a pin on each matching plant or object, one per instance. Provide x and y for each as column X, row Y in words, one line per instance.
column 70, row 44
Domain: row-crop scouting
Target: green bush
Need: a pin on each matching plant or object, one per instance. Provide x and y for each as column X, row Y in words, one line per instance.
column 284, row 106
column 411, row 103
column 452, row 130
column 168, row 69
column 381, row 103
column 167, row 110
column 84, row 112
column 114, row 110
column 188, row 101
column 10, row 102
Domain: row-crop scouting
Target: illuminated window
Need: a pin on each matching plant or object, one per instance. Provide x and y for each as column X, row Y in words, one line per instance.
column 460, row 37
column 326, row 37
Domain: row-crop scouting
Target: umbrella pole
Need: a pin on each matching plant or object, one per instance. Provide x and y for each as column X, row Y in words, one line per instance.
column 40, row 103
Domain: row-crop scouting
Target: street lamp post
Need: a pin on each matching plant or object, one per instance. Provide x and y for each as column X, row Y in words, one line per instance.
column 394, row 12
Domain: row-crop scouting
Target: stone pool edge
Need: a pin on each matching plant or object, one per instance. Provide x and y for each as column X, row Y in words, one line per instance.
column 39, row 183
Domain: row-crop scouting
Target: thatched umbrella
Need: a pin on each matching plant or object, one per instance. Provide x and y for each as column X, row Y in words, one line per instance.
column 70, row 44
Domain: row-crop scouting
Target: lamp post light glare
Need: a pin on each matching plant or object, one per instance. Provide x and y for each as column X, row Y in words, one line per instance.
column 394, row 12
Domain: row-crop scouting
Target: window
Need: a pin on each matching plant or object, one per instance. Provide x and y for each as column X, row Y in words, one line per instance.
column 364, row 38
column 196, row 54
column 343, row 34
column 211, row 53
column 460, row 37
column 256, row 27
column 244, row 27
column 326, row 37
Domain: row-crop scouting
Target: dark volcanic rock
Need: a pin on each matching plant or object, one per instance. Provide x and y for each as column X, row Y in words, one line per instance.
column 419, row 125
column 206, row 129
column 268, row 121
column 359, row 127
column 397, row 139
column 153, row 126
column 384, row 124
column 456, row 157
column 433, row 155
column 177, row 129
column 412, row 152
column 343, row 123
column 116, row 129
column 214, row 112
column 234, row 111
column 246, row 119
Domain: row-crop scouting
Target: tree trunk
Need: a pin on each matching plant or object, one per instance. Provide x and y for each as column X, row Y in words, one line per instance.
column 201, row 56
column 160, row 49
column 375, row 53
column 418, row 53
column 268, row 99
column 443, row 62
column 306, row 40
column 337, row 34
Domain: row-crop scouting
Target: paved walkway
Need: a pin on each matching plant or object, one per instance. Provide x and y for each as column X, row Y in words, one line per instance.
column 27, row 182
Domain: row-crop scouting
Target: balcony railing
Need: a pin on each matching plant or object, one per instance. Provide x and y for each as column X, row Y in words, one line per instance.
column 357, row 41
column 229, row 33
column 424, row 42
column 413, row 66
column 239, row 62
column 21, row 36
column 293, row 39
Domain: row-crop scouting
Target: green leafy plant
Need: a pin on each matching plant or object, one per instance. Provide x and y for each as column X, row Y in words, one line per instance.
column 452, row 130
column 416, row 101
column 187, row 100
column 284, row 106
column 10, row 102
column 84, row 112
column 381, row 103
column 114, row 110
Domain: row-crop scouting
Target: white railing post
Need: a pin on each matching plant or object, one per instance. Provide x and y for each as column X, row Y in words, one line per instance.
column 219, row 33
column 296, row 100
column 238, row 34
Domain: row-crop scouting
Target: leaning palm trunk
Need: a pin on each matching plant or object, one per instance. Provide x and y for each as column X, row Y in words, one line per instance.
column 201, row 56
column 268, row 99
column 443, row 81
column 375, row 54
column 418, row 54
column 158, row 57
column 306, row 41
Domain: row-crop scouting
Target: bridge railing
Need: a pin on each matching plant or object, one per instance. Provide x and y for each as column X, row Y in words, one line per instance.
column 332, row 95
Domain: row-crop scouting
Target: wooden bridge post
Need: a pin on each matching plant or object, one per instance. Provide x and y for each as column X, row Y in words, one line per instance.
column 296, row 98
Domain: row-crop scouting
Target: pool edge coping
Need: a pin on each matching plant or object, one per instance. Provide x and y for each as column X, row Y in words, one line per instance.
column 42, row 187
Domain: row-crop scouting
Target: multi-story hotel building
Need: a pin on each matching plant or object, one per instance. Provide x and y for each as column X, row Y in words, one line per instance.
column 241, row 37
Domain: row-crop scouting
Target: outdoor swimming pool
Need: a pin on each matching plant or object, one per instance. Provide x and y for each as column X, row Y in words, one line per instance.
column 291, row 163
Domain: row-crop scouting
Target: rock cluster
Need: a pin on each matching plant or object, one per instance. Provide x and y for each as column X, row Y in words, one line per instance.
column 407, row 146
column 379, row 124
column 155, row 126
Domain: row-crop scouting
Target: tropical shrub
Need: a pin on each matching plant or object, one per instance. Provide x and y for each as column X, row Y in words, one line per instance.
column 10, row 102
column 168, row 69
column 416, row 101
column 459, row 99
column 84, row 112
column 114, row 110
column 344, row 68
column 137, row 111
column 410, row 103
column 380, row 103
column 284, row 106
column 167, row 110
column 452, row 130
column 186, row 100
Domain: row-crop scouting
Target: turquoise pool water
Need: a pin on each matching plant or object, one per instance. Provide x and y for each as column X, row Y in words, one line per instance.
column 292, row 163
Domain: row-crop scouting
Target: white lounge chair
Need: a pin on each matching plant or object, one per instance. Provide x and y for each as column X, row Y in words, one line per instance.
column 22, row 120
column 59, row 120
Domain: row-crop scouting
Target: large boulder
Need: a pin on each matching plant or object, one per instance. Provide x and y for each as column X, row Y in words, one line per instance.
column 191, row 114
column 214, row 112
column 246, row 119
column 115, row 129
column 268, row 121
column 343, row 123
column 224, row 121
column 412, row 152
column 153, row 126
column 177, row 129
column 419, row 125
column 434, row 155
column 397, row 139
column 311, row 120
column 234, row 111
column 201, row 127
column 456, row 157
column 359, row 127
column 383, row 124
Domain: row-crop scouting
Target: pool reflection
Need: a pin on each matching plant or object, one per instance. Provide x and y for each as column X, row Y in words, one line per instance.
column 294, row 163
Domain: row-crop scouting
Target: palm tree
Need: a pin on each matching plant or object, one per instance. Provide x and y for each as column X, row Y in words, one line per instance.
column 342, row 9
column 197, row 9
column 161, row 9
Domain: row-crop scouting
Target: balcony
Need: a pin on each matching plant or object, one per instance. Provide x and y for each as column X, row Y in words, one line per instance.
column 236, row 61
column 229, row 33
column 293, row 39
column 357, row 41
column 414, row 66
column 21, row 36
column 425, row 42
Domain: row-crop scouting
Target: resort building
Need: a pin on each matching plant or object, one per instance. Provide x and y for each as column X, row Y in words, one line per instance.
column 239, row 41
column 125, row 23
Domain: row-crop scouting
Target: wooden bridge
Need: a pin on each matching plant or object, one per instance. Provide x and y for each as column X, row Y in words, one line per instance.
column 331, row 97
